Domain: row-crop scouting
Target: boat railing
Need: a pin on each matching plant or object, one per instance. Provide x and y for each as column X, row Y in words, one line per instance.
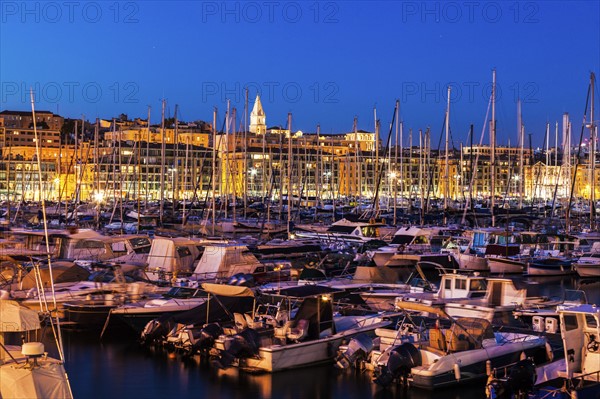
column 580, row 380
column 363, row 321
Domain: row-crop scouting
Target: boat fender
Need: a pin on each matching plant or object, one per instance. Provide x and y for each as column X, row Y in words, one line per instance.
column 456, row 371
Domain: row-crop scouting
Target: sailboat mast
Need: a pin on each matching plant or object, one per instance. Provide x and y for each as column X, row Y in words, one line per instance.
column 319, row 172
column 175, row 161
column 245, row 156
column 289, row 173
column 214, row 169
column 446, row 166
column 147, row 158
column 234, row 164
column 396, row 174
column 592, row 156
column 96, row 173
column 46, row 235
column 521, row 152
column 162, row 163
column 375, row 174
column 185, row 179
column 493, row 150
column 356, row 161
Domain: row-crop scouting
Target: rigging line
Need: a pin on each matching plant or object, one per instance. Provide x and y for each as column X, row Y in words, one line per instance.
column 43, row 203
column 385, row 151
column 215, row 146
column 568, row 210
column 474, row 172
column 430, row 172
column 538, row 172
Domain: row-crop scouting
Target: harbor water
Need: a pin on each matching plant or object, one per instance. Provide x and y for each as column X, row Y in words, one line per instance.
column 118, row 367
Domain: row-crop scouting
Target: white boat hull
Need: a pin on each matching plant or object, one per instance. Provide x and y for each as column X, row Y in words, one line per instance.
column 587, row 270
column 275, row 358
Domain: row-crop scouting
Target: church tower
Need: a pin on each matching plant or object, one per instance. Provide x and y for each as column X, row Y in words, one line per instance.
column 258, row 123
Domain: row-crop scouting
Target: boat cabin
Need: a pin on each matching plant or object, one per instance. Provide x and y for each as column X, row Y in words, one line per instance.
column 580, row 330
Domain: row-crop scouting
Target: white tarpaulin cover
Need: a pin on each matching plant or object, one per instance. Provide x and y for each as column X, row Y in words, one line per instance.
column 225, row 261
column 173, row 254
column 46, row 381
column 14, row 317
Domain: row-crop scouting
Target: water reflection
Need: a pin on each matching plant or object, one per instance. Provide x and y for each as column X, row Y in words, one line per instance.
column 120, row 369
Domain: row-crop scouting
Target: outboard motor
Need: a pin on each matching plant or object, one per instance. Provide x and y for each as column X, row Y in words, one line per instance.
column 401, row 360
column 522, row 377
column 359, row 347
column 519, row 383
column 242, row 345
column 153, row 332
column 206, row 338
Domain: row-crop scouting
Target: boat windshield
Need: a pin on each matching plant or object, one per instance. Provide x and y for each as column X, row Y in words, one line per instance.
column 478, row 285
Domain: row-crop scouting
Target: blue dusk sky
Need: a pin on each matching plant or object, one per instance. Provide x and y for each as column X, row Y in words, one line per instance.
column 325, row 62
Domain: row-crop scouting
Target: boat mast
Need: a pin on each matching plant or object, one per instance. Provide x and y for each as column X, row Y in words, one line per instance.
column 234, row 163
column 493, row 149
column 357, row 162
column 162, row 164
column 396, row 174
column 446, row 166
column 402, row 177
column 214, row 169
column 521, row 152
column 245, row 147
column 41, row 291
column 96, row 173
column 175, row 172
column 185, row 178
column 592, row 156
column 421, row 160
column 289, row 173
column 147, row 159
column 225, row 158
column 318, row 173
column 375, row 175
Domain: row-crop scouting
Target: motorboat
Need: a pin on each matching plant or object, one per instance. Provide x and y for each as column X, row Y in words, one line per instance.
column 453, row 351
column 310, row 336
column 550, row 266
column 574, row 374
column 177, row 300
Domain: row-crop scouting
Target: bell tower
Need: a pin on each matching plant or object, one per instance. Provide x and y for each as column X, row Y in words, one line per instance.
column 258, row 122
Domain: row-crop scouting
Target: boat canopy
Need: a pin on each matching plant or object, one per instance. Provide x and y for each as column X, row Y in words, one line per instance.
column 227, row 290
